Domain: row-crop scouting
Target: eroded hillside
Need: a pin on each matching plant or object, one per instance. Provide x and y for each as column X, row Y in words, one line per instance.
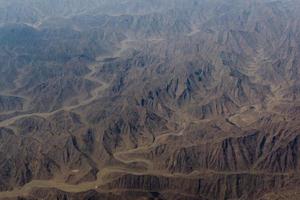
column 182, row 100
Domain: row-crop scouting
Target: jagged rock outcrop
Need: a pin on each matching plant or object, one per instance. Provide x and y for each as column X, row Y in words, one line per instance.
column 11, row 103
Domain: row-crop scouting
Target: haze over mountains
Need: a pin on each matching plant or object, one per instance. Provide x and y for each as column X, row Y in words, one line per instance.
column 156, row 99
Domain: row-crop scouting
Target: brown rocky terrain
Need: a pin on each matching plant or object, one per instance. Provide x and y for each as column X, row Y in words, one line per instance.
column 164, row 100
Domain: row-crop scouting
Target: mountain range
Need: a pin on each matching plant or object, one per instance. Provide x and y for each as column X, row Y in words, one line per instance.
column 156, row 99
